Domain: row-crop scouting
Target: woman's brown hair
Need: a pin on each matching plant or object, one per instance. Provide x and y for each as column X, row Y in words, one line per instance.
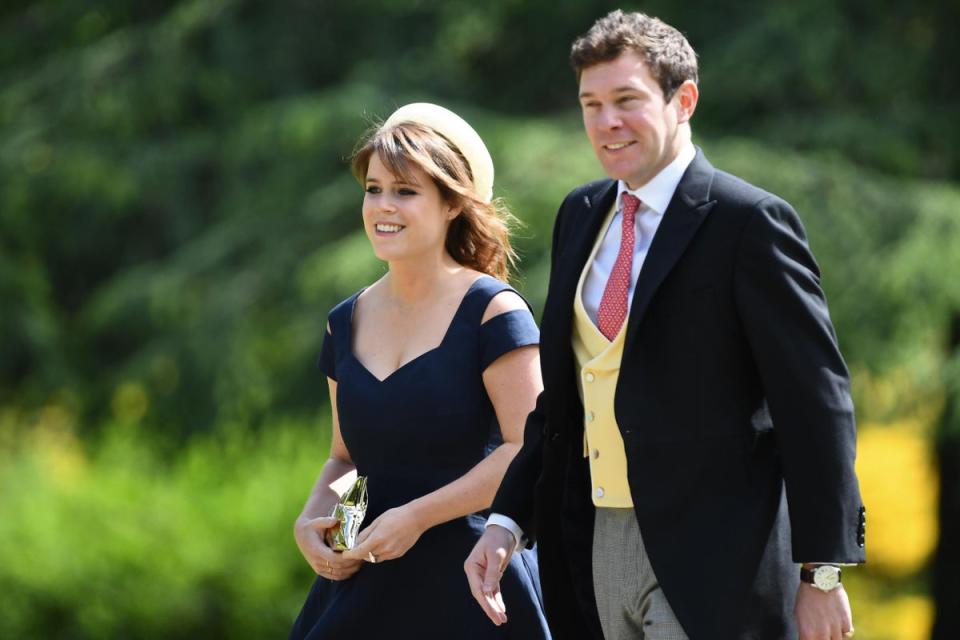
column 478, row 238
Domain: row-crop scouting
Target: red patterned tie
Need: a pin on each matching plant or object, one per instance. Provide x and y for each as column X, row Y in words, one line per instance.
column 613, row 304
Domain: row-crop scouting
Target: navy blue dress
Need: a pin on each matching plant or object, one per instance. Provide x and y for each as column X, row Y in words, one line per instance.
column 422, row 427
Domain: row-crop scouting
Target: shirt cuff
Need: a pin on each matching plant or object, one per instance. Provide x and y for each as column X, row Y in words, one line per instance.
column 508, row 524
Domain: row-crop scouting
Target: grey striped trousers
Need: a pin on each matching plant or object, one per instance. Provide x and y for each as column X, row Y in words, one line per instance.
column 629, row 599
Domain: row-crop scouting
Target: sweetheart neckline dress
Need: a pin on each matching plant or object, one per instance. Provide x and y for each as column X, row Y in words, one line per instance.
column 423, row 426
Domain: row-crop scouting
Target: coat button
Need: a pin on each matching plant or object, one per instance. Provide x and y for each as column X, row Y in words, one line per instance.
column 599, row 492
column 594, row 453
column 590, row 416
column 590, row 377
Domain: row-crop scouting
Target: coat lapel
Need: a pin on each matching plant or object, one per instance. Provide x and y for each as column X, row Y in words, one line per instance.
column 687, row 210
column 586, row 222
column 556, row 347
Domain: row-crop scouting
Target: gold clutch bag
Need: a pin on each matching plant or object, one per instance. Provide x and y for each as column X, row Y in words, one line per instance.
column 349, row 512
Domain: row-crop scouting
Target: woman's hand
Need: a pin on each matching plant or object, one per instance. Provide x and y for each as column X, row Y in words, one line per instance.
column 311, row 536
column 388, row 537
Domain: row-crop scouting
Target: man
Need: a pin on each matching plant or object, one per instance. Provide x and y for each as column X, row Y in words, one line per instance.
column 695, row 440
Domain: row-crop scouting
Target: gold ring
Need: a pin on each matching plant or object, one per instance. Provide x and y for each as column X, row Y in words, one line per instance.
column 371, row 557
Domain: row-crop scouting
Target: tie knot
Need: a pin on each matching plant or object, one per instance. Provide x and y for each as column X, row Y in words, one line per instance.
column 630, row 205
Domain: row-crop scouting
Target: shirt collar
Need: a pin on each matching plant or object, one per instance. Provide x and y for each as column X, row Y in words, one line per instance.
column 658, row 192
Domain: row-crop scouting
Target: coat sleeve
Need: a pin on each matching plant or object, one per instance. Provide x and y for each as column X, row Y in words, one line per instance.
column 515, row 497
column 805, row 381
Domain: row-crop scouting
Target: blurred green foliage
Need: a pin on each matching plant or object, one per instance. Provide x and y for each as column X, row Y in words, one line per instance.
column 124, row 544
column 177, row 216
column 175, row 201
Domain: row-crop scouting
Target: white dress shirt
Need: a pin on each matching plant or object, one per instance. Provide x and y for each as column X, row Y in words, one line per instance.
column 654, row 197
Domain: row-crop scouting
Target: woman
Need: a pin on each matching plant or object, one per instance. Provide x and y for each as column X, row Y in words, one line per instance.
column 423, row 365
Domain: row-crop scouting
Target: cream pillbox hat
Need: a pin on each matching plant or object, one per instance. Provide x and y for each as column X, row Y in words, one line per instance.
column 456, row 130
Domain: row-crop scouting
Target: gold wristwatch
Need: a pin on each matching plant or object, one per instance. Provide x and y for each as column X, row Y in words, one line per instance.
column 825, row 577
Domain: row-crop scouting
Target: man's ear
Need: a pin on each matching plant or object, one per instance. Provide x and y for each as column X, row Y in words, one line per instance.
column 686, row 98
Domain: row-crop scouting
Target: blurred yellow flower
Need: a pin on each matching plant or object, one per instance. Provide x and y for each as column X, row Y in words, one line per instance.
column 899, row 487
column 906, row 617
column 55, row 445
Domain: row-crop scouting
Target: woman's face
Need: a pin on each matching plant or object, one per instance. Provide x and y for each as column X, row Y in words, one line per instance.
column 404, row 219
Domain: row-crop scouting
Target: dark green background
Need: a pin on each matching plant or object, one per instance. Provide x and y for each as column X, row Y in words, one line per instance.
column 177, row 216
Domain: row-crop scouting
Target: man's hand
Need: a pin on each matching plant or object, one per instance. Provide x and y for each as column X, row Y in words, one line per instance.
column 823, row 615
column 484, row 568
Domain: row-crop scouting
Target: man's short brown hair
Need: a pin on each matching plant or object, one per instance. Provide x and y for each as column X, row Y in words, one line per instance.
column 671, row 59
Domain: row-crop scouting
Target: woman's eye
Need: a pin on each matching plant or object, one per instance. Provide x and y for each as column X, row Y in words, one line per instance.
column 372, row 189
column 407, row 192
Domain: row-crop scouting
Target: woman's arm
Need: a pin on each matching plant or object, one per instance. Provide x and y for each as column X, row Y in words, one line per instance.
column 337, row 473
column 311, row 526
column 513, row 382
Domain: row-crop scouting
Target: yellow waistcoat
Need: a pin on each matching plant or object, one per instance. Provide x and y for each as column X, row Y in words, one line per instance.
column 598, row 364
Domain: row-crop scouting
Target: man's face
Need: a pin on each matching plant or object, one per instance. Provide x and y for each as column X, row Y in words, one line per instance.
column 632, row 128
